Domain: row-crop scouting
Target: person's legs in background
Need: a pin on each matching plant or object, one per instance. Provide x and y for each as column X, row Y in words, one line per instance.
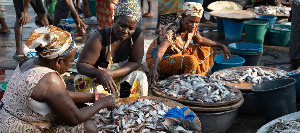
column 149, row 13
column 4, row 28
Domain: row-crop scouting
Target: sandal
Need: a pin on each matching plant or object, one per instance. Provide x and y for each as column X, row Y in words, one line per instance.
column 20, row 58
column 78, row 34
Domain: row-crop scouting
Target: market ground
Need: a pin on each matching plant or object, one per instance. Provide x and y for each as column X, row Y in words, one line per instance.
column 273, row 56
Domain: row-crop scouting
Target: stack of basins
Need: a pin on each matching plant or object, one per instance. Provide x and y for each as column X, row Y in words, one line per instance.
column 215, row 104
column 249, row 51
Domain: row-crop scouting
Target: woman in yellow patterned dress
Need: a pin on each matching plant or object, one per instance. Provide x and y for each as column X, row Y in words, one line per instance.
column 172, row 52
column 112, row 56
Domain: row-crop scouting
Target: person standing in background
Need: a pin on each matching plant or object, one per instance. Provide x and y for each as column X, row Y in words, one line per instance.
column 4, row 29
column 294, row 51
column 22, row 18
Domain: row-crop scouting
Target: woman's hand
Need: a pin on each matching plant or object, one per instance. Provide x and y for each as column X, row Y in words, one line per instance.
column 152, row 77
column 106, row 81
column 109, row 101
column 226, row 52
column 24, row 19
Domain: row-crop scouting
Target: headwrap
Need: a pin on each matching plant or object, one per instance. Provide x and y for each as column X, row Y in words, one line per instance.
column 51, row 42
column 193, row 9
column 128, row 8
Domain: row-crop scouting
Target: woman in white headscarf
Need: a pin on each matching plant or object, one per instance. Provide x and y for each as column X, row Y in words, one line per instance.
column 172, row 52
column 36, row 99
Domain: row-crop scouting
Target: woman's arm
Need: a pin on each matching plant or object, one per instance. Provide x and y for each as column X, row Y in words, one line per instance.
column 135, row 59
column 51, row 89
column 206, row 42
column 153, row 75
column 88, row 57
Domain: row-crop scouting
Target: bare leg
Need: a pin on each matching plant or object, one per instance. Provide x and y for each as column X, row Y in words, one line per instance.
column 4, row 27
column 142, row 6
column 43, row 19
column 149, row 13
column 56, row 21
column 90, row 127
column 86, row 9
column 158, row 26
column 18, row 37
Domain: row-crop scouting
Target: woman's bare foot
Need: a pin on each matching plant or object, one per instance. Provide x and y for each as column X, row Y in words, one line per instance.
column 148, row 14
column 4, row 30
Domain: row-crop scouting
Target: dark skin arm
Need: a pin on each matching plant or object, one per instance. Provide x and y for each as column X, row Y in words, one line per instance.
column 206, row 42
column 74, row 14
column 51, row 89
column 153, row 74
column 24, row 19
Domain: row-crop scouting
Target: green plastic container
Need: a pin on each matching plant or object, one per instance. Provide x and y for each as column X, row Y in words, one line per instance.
column 51, row 7
column 92, row 6
column 255, row 31
column 279, row 37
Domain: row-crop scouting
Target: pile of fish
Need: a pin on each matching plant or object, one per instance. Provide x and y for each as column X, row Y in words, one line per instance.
column 278, row 28
column 195, row 87
column 285, row 126
column 254, row 75
column 274, row 10
column 142, row 115
column 296, row 71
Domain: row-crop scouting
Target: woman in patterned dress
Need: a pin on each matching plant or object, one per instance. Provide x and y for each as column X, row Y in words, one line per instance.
column 172, row 52
column 36, row 99
column 113, row 55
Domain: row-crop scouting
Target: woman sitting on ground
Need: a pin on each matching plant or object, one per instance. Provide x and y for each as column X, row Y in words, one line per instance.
column 172, row 52
column 113, row 54
column 36, row 99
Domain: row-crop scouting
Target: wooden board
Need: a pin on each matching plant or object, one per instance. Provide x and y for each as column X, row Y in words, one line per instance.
column 224, row 5
column 244, row 87
column 238, row 93
column 234, row 14
column 165, row 101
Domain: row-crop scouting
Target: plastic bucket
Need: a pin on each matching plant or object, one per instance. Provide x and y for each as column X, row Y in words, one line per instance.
column 220, row 25
column 277, row 97
column 251, row 104
column 279, row 37
column 233, row 29
column 297, row 86
column 251, row 59
column 218, row 122
column 246, row 47
column 51, row 7
column 221, row 63
column 271, row 19
column 92, row 6
column 255, row 31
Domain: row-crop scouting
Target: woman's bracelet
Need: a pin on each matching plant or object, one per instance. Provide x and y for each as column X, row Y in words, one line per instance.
column 97, row 96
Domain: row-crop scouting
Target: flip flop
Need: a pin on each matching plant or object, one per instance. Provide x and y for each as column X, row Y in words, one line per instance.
column 20, row 58
column 78, row 34
column 2, row 32
column 147, row 15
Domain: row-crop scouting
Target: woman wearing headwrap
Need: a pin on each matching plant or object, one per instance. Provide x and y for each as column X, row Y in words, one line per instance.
column 172, row 52
column 36, row 99
column 113, row 54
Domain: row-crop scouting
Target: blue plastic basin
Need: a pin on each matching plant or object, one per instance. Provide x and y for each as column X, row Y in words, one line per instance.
column 221, row 63
column 271, row 19
column 245, row 47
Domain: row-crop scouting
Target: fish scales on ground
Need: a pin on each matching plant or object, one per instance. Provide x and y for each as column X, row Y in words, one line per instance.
column 254, row 75
column 143, row 115
column 196, row 87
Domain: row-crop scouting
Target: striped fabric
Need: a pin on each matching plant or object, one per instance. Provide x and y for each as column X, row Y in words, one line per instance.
column 2, row 10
